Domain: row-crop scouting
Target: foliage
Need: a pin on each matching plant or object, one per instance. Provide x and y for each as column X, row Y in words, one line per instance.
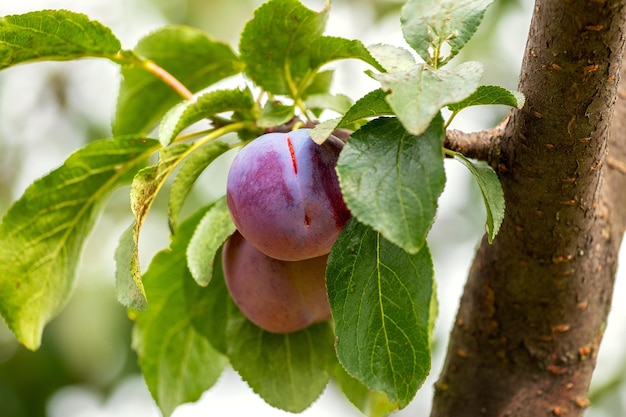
column 380, row 279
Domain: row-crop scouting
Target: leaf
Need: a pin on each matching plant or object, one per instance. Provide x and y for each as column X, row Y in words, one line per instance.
column 289, row 371
column 188, row 54
column 370, row 402
column 186, row 177
column 336, row 102
column 177, row 362
column 209, row 306
column 373, row 104
column 56, row 35
column 275, row 45
column 433, row 26
column 145, row 186
column 392, row 58
column 329, row 48
column 417, row 95
column 42, row 234
column 275, row 114
column 380, row 297
column 206, row 106
column 491, row 190
column 214, row 228
column 391, row 180
column 321, row 84
column 129, row 288
column 490, row 94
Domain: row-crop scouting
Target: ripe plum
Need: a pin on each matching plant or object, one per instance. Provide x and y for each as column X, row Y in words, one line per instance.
column 278, row 296
column 284, row 197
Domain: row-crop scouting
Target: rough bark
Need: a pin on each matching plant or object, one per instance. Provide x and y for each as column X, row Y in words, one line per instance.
column 536, row 301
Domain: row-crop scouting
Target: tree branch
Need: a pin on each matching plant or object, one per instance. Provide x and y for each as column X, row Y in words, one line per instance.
column 536, row 301
column 482, row 145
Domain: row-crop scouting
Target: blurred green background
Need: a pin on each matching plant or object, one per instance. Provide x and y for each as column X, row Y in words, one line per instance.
column 85, row 366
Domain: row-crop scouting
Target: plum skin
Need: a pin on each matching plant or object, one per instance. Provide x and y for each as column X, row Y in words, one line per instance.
column 277, row 296
column 284, row 196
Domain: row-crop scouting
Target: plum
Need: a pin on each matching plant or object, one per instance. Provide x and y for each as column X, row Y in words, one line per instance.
column 284, row 197
column 278, row 296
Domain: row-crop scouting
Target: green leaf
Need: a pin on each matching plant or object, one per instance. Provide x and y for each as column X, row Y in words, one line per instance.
column 381, row 298
column 491, row 190
column 187, row 176
column 438, row 29
column 275, row 45
column 42, row 234
column 57, row 35
column 329, row 48
column 206, row 106
column 209, row 307
column 145, row 186
column 417, row 95
column 392, row 58
column 490, row 94
column 177, row 362
column 336, row 102
column 188, row 54
column 129, row 288
column 289, row 371
column 214, row 228
column 391, row 180
column 275, row 114
column 321, row 84
column 373, row 104
column 370, row 402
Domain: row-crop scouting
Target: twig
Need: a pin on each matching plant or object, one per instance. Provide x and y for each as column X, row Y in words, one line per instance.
column 477, row 145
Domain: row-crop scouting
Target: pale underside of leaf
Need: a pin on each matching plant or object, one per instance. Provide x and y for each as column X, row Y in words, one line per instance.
column 417, row 95
column 438, row 29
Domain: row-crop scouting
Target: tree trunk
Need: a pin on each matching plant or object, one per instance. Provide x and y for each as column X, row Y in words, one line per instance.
column 536, row 301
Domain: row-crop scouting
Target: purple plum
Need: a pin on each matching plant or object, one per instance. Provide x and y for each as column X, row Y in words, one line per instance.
column 284, row 197
column 278, row 296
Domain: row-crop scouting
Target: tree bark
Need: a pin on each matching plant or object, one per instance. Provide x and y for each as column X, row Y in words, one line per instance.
column 536, row 301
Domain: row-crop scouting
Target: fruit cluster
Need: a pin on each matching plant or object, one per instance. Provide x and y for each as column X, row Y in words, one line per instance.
column 284, row 198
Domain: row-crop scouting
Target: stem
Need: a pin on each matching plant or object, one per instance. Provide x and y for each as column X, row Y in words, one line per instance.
column 450, row 119
column 233, row 127
column 452, row 154
column 130, row 58
column 290, row 83
column 168, row 79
